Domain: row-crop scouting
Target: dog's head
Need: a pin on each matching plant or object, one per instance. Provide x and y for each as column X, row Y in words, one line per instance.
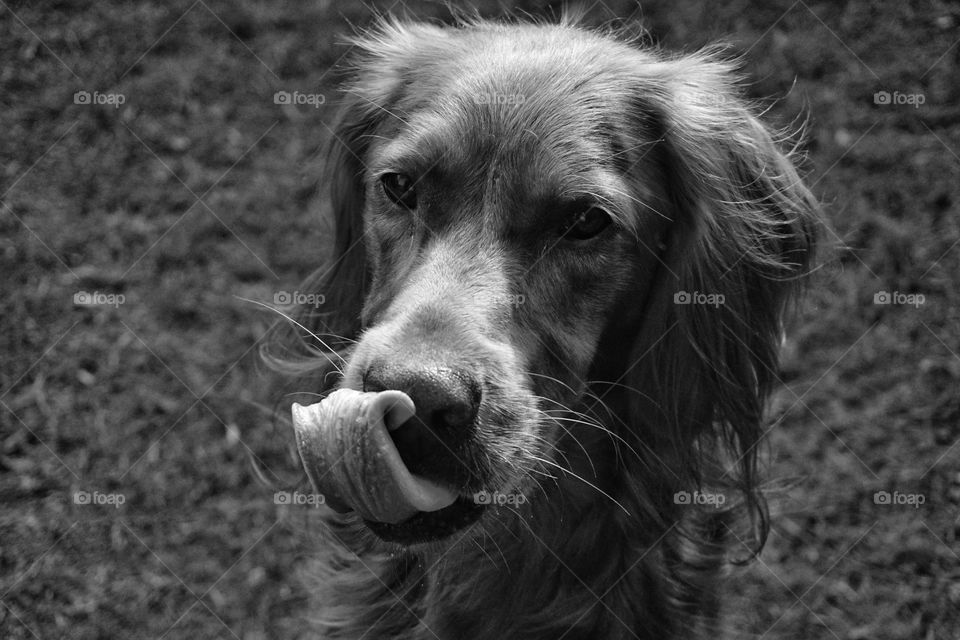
column 534, row 222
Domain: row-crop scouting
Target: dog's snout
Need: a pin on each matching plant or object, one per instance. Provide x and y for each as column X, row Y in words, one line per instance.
column 445, row 398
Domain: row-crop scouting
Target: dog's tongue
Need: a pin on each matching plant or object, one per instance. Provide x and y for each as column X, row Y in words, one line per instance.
column 352, row 461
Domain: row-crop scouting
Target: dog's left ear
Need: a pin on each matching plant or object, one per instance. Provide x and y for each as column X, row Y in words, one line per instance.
column 380, row 65
column 376, row 92
column 740, row 241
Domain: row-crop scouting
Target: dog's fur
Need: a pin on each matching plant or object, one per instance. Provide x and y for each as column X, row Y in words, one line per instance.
column 603, row 396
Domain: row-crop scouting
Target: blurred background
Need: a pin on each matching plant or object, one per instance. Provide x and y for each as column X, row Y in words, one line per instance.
column 151, row 182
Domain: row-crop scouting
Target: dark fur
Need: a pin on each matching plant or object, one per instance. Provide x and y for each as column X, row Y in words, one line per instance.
column 673, row 394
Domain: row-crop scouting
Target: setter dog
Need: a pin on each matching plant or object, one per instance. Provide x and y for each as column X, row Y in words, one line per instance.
column 575, row 255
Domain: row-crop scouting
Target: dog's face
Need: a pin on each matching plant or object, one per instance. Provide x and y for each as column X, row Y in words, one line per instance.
column 516, row 200
column 505, row 227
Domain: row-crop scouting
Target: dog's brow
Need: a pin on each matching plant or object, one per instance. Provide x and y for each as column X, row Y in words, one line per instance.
column 414, row 151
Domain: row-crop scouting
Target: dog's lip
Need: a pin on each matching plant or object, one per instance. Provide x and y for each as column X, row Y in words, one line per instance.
column 433, row 526
column 352, row 461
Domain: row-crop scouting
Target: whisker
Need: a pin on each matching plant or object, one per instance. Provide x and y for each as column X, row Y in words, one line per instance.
column 552, row 379
column 583, row 480
column 615, row 437
column 573, row 437
column 484, row 551
column 311, row 333
column 493, row 539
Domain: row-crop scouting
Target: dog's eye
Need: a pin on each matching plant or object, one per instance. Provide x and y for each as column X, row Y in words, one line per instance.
column 586, row 224
column 399, row 188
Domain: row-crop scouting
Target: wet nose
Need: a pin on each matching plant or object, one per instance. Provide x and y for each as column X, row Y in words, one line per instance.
column 446, row 398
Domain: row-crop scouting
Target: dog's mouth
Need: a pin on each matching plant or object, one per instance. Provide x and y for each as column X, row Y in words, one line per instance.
column 351, row 459
column 430, row 526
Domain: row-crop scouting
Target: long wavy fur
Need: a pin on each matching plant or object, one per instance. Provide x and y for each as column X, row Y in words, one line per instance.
column 682, row 407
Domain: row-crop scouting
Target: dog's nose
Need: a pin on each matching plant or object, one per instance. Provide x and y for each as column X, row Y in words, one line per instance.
column 445, row 398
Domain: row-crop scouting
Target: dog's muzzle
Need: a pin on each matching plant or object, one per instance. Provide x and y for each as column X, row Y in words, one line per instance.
column 350, row 458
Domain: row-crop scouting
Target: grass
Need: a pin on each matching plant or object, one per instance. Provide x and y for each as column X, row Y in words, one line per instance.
column 195, row 194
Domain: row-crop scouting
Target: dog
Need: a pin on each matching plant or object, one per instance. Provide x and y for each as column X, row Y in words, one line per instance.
column 575, row 255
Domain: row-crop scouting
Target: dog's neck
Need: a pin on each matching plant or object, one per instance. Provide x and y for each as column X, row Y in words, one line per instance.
column 574, row 565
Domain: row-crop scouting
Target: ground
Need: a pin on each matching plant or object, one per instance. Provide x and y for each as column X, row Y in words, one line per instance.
column 130, row 508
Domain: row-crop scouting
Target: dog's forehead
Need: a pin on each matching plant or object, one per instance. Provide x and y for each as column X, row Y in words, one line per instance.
column 513, row 91
column 535, row 117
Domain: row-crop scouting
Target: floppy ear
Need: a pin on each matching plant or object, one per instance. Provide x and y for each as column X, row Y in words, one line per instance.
column 381, row 60
column 740, row 240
